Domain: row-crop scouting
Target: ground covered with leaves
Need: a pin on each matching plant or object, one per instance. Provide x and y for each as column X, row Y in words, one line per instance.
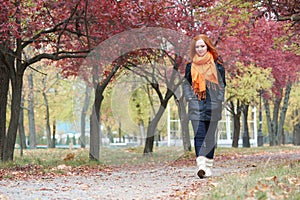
column 252, row 173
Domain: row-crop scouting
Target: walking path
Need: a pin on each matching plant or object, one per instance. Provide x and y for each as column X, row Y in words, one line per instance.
column 144, row 184
column 156, row 182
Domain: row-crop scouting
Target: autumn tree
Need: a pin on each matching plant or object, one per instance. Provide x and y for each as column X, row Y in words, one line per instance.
column 161, row 72
column 294, row 114
column 249, row 35
column 282, row 10
column 59, row 30
column 243, row 86
column 136, row 16
column 284, row 70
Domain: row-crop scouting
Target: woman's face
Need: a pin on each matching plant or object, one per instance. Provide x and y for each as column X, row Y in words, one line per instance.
column 201, row 48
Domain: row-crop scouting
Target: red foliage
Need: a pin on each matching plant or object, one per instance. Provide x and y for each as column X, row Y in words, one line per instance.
column 68, row 30
column 259, row 45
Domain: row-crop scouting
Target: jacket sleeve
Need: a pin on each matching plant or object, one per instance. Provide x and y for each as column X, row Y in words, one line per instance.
column 187, row 89
column 222, row 82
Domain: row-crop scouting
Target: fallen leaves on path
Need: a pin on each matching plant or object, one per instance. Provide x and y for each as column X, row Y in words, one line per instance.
column 231, row 162
column 31, row 171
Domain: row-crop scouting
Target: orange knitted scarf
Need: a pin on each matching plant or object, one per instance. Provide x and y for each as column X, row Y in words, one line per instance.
column 203, row 68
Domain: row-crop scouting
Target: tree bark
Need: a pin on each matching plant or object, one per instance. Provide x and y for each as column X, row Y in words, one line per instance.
column 272, row 123
column 16, row 70
column 276, row 118
column 153, row 125
column 236, row 131
column 53, row 134
column 284, row 108
column 296, row 126
column 4, row 83
column 47, row 119
column 120, row 131
column 95, row 117
column 296, row 134
column 142, row 131
column 32, row 133
column 110, row 134
column 83, row 115
column 95, row 125
column 9, row 145
column 21, row 127
column 236, row 122
column 269, row 122
column 184, row 121
column 246, row 138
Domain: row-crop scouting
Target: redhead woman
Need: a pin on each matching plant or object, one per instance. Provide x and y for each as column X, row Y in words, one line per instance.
column 204, row 90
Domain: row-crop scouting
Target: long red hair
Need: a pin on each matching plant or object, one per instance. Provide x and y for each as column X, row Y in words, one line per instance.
column 210, row 47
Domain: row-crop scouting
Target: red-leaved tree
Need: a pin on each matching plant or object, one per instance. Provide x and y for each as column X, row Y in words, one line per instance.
column 56, row 31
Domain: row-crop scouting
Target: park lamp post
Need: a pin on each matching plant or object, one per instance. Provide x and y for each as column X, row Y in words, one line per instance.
column 260, row 141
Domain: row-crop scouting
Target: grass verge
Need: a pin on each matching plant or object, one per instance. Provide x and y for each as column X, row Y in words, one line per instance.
column 280, row 180
column 49, row 158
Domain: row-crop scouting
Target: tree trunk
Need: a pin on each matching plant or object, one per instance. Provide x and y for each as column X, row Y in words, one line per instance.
column 21, row 127
column 184, row 121
column 14, row 118
column 272, row 123
column 275, row 119
column 269, row 122
column 95, row 125
column 142, row 131
column 120, row 132
column 83, row 115
column 16, row 71
column 94, row 153
column 4, row 83
column 236, row 130
column 53, row 134
column 32, row 133
column 47, row 118
column 148, row 149
column 236, row 114
column 284, row 108
column 152, row 127
column 95, row 117
column 246, row 138
column 296, row 134
column 110, row 134
column 296, row 127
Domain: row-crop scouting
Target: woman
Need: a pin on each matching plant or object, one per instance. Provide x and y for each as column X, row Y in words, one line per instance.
column 204, row 89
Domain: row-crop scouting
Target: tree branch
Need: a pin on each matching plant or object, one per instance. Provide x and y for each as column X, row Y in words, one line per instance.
column 57, row 56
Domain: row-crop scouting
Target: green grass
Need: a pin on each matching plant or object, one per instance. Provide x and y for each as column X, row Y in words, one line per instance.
column 49, row 158
column 255, row 150
column 134, row 156
column 276, row 181
column 120, row 156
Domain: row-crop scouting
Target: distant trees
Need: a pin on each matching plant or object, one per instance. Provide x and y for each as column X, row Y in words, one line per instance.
column 242, row 91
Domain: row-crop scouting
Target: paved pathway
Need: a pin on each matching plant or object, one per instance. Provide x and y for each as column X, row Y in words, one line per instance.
column 157, row 182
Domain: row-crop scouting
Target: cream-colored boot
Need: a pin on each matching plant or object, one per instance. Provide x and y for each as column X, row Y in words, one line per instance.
column 201, row 164
column 209, row 163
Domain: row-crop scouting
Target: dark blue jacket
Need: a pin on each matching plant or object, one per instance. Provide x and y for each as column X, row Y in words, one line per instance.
column 209, row 109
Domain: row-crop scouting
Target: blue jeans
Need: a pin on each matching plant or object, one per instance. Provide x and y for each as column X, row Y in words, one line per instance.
column 205, row 137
